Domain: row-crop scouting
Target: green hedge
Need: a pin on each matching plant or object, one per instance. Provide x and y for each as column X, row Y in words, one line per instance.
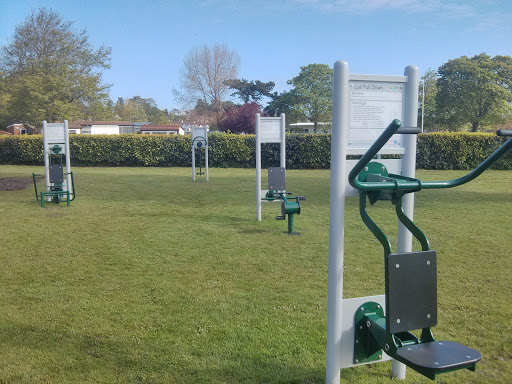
column 303, row 151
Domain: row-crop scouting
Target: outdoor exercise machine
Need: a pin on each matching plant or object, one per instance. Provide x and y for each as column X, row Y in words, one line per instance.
column 290, row 205
column 410, row 277
column 200, row 141
column 59, row 185
column 272, row 130
column 377, row 328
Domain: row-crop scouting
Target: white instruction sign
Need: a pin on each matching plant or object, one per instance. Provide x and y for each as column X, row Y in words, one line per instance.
column 55, row 133
column 373, row 106
column 270, row 129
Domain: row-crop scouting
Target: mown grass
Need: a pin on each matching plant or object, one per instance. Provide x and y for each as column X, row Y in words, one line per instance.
column 150, row 277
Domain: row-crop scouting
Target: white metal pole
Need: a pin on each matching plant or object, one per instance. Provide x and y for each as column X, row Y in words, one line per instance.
column 282, row 124
column 404, row 238
column 422, row 105
column 193, row 162
column 46, row 158
column 339, row 178
column 67, row 157
column 258, row 168
column 206, row 156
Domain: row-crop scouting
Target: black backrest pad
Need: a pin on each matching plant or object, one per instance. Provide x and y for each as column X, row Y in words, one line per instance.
column 56, row 173
column 276, row 179
column 411, row 291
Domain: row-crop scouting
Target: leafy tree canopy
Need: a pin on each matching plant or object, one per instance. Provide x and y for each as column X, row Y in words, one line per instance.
column 313, row 92
column 240, row 119
column 52, row 72
column 253, row 90
column 474, row 91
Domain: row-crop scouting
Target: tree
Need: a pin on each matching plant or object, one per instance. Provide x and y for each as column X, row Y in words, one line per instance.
column 241, row 119
column 285, row 103
column 250, row 90
column 140, row 109
column 313, row 92
column 428, row 107
column 475, row 91
column 204, row 73
column 52, row 71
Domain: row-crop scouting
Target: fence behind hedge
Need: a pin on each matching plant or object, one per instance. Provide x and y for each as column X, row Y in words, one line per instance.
column 303, row 151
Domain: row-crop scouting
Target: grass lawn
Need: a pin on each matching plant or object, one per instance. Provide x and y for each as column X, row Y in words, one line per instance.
column 149, row 277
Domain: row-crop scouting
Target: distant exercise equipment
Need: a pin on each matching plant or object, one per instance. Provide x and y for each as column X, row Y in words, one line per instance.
column 200, row 142
column 277, row 191
column 59, row 184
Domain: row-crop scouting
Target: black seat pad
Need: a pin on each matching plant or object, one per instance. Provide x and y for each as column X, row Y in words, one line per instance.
column 439, row 355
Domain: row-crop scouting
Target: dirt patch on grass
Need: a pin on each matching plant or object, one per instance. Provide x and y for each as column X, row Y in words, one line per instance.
column 14, row 183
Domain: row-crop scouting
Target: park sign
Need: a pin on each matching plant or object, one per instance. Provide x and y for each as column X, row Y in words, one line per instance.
column 375, row 100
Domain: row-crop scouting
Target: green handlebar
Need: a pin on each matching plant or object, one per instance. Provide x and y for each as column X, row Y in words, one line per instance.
column 413, row 185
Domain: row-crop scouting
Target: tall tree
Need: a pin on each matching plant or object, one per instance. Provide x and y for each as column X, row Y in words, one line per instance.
column 253, row 90
column 475, row 91
column 53, row 72
column 204, row 72
column 285, row 102
column 313, row 92
column 427, row 97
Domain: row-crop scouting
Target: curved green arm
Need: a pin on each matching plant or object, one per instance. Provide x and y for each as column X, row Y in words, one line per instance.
column 408, row 185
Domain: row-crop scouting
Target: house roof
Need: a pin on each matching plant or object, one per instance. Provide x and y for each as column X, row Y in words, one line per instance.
column 151, row 127
column 85, row 123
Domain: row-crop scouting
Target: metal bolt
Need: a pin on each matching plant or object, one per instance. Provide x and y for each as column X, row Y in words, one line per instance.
column 378, row 306
column 380, row 356
column 398, row 321
column 357, row 361
column 365, row 168
column 398, row 265
column 368, row 324
column 428, row 315
column 357, row 341
column 383, row 168
column 360, row 327
column 386, row 347
column 428, row 262
column 361, row 309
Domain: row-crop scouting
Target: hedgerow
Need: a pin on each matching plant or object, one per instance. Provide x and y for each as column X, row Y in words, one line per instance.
column 303, row 151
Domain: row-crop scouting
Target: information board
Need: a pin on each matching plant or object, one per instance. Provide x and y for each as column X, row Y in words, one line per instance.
column 199, row 134
column 373, row 105
column 55, row 133
column 270, row 129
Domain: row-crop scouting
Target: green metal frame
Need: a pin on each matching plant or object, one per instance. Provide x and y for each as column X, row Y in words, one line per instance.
column 56, row 193
column 373, row 180
column 288, row 208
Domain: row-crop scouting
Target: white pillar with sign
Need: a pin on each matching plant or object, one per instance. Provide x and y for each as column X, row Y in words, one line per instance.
column 199, row 140
column 363, row 106
column 268, row 130
column 56, row 134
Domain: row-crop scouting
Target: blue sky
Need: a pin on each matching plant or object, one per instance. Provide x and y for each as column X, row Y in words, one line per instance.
column 150, row 38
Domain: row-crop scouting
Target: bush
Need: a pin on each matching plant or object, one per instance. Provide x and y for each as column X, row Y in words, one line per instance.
column 303, row 151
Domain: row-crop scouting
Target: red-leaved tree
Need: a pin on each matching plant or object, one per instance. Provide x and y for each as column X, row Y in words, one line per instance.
column 240, row 119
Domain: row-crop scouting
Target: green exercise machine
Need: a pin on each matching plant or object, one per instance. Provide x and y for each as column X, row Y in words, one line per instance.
column 59, row 182
column 410, row 277
column 290, row 205
column 200, row 142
